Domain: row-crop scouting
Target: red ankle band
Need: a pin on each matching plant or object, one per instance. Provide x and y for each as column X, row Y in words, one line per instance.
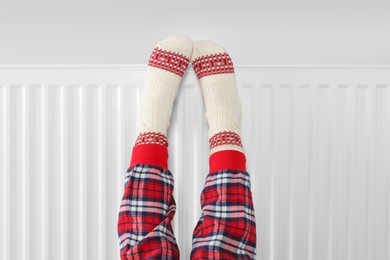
column 154, row 154
column 227, row 159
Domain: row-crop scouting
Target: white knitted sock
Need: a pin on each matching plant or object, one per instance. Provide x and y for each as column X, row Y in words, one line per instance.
column 214, row 69
column 166, row 66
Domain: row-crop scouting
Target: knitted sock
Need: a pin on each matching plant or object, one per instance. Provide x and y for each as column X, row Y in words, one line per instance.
column 226, row 228
column 214, row 69
column 148, row 206
column 166, row 66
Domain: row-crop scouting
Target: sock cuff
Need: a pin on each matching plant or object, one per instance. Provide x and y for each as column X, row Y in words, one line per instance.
column 225, row 137
column 227, row 147
column 226, row 140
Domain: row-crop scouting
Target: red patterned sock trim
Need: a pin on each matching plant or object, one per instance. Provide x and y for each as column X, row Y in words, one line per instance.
column 213, row 64
column 169, row 60
column 152, row 138
column 225, row 137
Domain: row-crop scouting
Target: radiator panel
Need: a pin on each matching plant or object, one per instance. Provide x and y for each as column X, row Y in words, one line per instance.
column 317, row 143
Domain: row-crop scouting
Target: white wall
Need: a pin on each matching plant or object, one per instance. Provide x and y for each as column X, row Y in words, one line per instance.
column 255, row 32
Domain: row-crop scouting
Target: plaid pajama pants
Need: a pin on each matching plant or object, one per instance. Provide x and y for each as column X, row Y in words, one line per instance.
column 226, row 228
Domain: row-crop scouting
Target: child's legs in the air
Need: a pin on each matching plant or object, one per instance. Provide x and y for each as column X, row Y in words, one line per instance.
column 148, row 206
column 226, row 228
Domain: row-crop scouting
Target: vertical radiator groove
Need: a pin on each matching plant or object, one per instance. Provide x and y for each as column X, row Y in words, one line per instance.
column 102, row 170
column 82, row 173
column 63, row 176
column 26, row 174
column 44, row 176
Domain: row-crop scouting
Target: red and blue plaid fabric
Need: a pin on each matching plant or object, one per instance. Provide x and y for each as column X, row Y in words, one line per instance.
column 226, row 228
column 146, row 213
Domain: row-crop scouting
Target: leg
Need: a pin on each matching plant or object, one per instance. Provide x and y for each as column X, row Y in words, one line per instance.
column 148, row 206
column 227, row 226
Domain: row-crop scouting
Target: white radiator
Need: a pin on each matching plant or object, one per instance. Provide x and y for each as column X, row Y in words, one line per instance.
column 318, row 151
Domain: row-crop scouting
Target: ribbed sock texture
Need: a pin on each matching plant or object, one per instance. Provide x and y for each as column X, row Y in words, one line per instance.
column 215, row 71
column 166, row 67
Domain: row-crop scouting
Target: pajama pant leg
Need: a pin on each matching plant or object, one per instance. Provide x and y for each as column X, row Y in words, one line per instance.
column 148, row 207
column 226, row 228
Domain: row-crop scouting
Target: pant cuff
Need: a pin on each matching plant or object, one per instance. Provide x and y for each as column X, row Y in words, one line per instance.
column 227, row 159
column 152, row 154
